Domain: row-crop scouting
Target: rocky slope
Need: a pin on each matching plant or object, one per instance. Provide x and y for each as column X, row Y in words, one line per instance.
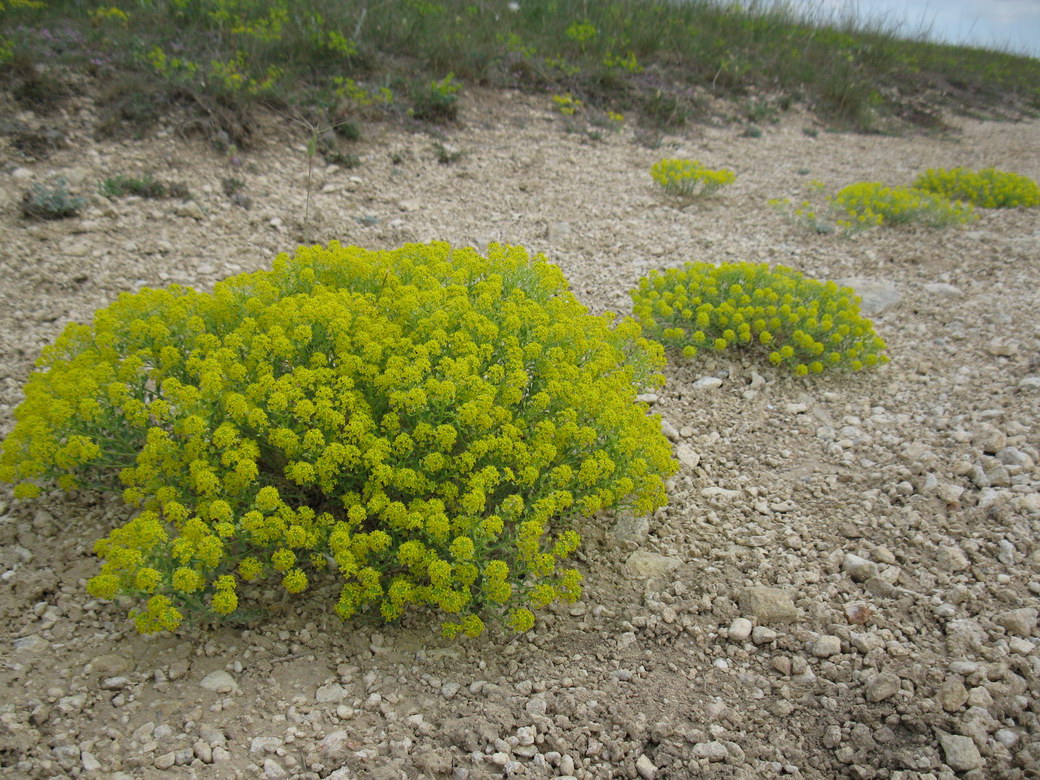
column 846, row 580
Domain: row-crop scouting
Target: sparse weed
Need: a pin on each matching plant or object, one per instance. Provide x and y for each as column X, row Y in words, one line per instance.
column 145, row 186
column 436, row 101
column 45, row 202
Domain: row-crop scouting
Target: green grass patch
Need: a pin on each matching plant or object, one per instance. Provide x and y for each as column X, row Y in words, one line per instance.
column 659, row 58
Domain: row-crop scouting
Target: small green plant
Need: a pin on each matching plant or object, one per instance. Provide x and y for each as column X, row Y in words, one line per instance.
column 425, row 424
column 874, row 202
column 145, row 186
column 51, row 202
column 796, row 322
column 689, row 179
column 436, row 101
column 988, row 188
column 446, row 155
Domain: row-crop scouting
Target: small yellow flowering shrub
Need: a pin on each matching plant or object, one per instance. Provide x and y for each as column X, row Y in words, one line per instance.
column 797, row 322
column 872, row 202
column 988, row 188
column 426, row 422
column 688, row 178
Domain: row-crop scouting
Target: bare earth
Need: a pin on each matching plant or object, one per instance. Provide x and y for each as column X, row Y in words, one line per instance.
column 892, row 516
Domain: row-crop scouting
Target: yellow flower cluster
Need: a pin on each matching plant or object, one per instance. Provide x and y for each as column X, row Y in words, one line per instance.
column 689, row 178
column 427, row 422
column 988, row 188
column 567, row 104
column 872, row 203
column 805, row 325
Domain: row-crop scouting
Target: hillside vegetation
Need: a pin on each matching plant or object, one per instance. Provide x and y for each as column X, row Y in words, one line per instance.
column 336, row 61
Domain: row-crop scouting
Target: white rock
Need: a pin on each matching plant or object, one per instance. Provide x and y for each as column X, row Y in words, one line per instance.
column 687, row 456
column 949, row 492
column 768, row 605
column 21, row 174
column 713, row 751
column 882, row 686
column 90, row 764
column 825, row 646
column 717, row 493
column 762, row 635
column 960, row 752
column 645, row 767
column 1021, row 622
column 740, row 629
column 219, row 681
column 273, row 770
column 940, row 288
column 877, row 296
column 859, row 569
column 165, row 761
column 953, row 558
column 265, row 744
column 536, row 706
column 337, row 745
column 331, row 692
column 647, row 565
column 708, row 383
column 630, row 528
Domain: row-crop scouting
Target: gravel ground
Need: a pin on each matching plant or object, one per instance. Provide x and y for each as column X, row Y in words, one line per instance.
column 846, row 580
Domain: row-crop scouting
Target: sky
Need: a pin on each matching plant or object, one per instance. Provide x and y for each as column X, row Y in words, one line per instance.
column 1003, row 24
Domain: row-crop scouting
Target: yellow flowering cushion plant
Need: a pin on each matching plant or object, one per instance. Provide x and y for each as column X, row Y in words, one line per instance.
column 427, row 423
column 797, row 322
column 689, row 178
column 988, row 188
column 872, row 203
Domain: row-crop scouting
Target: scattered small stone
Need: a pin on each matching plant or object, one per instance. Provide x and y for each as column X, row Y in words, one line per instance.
column 165, row 761
column 114, row 683
column 89, row 762
column 762, row 635
column 1021, row 622
column 644, row 766
column 882, row 686
column 331, row 693
column 999, row 348
column 953, row 695
column 826, row 646
column 960, row 752
column 953, row 559
column 714, row 492
column 687, row 456
column 708, row 383
column 713, row 751
column 219, row 681
column 273, row 770
column 941, row 288
column 877, row 296
column 990, row 439
column 859, row 569
column 858, row 613
column 949, row 492
column 190, row 209
column 740, row 629
column 643, row 564
column 768, row 605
